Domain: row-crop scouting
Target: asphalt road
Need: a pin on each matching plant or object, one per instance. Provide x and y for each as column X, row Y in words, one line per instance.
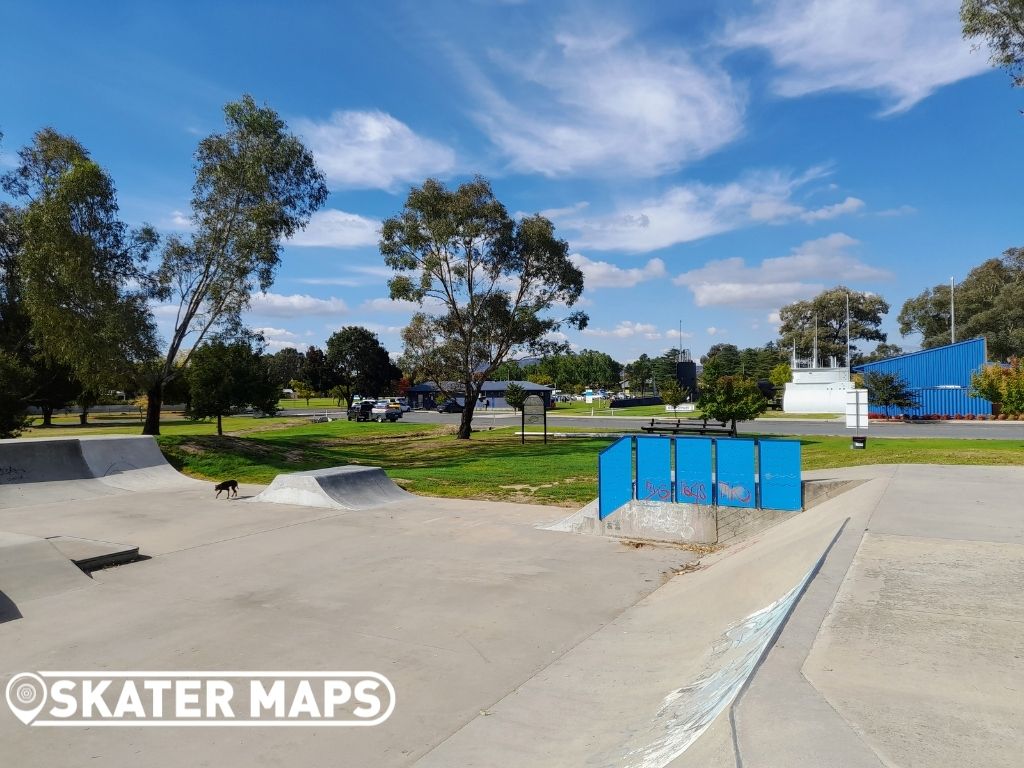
column 991, row 430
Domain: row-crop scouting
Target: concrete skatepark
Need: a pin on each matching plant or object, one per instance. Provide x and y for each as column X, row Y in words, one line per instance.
column 879, row 628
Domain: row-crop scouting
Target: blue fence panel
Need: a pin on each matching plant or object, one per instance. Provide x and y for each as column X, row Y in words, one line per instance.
column 654, row 468
column 693, row 470
column 734, row 473
column 614, row 476
column 779, row 468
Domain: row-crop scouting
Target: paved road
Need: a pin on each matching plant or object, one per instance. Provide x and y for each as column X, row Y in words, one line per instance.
column 963, row 429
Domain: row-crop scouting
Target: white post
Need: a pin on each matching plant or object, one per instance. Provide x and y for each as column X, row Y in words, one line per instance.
column 952, row 313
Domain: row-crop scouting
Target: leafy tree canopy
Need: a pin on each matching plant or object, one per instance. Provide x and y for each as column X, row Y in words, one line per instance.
column 486, row 281
column 999, row 24
column 731, row 399
column 889, row 390
column 227, row 375
column 359, row 364
column 829, row 307
column 74, row 267
column 989, row 302
column 255, row 185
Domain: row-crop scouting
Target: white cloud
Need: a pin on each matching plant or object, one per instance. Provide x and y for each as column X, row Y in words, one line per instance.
column 179, row 220
column 384, row 304
column 338, row 229
column 602, row 274
column 372, row 150
column 903, row 50
column 626, row 329
column 601, row 103
column 779, row 280
column 295, row 305
column 373, row 271
column 902, row 210
column 849, row 205
column 693, row 211
column 673, row 333
column 712, row 331
column 278, row 338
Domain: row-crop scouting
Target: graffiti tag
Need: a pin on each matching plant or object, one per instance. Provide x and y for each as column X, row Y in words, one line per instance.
column 733, row 493
column 657, row 491
column 697, row 492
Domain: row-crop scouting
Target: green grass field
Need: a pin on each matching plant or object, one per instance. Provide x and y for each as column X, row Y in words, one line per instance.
column 493, row 465
column 427, row 459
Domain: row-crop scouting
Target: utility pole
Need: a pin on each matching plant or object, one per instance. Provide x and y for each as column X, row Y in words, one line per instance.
column 952, row 313
column 814, row 360
column 848, row 330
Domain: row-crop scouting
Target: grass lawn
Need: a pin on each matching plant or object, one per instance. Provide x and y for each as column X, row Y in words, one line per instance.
column 427, row 459
column 424, row 459
column 493, row 465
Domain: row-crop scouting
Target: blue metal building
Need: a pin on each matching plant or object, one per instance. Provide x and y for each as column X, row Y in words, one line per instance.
column 940, row 376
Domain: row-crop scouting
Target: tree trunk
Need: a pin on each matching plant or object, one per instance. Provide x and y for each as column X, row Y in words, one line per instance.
column 154, row 399
column 466, row 425
column 47, row 416
column 83, row 417
column 220, row 427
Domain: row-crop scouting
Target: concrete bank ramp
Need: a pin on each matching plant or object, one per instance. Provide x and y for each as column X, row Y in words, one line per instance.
column 31, row 567
column 651, row 684
column 349, row 487
column 41, row 471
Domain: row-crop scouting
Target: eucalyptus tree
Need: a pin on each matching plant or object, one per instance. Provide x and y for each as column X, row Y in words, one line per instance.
column 486, row 284
column 255, row 185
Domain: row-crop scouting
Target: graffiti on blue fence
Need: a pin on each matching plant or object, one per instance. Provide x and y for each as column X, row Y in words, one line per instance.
column 700, row 470
column 655, row 491
column 693, row 493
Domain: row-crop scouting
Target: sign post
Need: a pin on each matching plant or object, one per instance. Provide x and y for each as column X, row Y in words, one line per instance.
column 534, row 412
column 857, row 416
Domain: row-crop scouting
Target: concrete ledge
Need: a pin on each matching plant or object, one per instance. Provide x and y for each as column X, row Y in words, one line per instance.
column 91, row 555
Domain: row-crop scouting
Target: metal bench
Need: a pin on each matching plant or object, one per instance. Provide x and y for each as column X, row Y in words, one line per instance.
column 688, row 427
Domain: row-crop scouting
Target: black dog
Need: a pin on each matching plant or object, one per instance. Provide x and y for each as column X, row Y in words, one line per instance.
column 227, row 485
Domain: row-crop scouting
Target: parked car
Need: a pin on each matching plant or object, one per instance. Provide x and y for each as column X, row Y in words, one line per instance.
column 450, row 406
column 399, row 402
column 384, row 411
column 367, row 410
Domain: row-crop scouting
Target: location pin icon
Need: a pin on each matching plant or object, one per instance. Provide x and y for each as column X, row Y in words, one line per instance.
column 26, row 695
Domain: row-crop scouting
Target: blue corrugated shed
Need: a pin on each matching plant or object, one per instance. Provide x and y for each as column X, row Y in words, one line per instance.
column 940, row 377
column 951, row 365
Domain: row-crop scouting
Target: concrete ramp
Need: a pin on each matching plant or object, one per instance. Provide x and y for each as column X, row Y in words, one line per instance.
column 31, row 568
column 43, row 471
column 349, row 487
column 132, row 463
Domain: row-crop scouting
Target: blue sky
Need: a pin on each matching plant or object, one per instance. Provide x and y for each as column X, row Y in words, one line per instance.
column 706, row 165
